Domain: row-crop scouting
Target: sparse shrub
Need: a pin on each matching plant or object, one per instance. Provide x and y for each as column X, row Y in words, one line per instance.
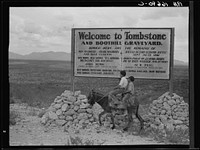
column 178, row 136
column 174, row 137
column 13, row 116
column 41, row 113
column 32, row 112
column 78, row 141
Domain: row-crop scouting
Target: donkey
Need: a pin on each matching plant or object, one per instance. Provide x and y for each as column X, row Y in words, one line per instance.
column 103, row 101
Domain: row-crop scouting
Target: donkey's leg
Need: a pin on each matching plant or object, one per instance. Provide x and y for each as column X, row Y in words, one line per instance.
column 112, row 119
column 139, row 118
column 130, row 118
column 100, row 115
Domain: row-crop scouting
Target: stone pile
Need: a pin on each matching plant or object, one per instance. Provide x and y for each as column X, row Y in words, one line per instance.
column 168, row 112
column 69, row 109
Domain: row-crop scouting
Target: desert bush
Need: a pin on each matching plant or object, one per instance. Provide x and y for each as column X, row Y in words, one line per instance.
column 32, row 112
column 169, row 137
column 78, row 141
column 13, row 116
column 41, row 112
column 178, row 136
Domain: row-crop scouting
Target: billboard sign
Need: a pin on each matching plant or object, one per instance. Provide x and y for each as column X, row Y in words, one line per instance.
column 103, row 52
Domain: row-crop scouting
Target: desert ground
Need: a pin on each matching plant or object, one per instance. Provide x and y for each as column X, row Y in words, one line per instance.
column 35, row 84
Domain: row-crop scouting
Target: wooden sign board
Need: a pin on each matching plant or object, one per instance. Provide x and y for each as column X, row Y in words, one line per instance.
column 142, row 52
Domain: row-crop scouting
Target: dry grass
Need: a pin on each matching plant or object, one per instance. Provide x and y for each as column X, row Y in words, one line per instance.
column 38, row 83
column 169, row 137
column 13, row 117
column 78, row 141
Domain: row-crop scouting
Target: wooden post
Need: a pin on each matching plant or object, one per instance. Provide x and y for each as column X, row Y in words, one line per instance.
column 72, row 58
column 171, row 63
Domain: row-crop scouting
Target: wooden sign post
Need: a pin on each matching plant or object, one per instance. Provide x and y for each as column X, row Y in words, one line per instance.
column 171, row 63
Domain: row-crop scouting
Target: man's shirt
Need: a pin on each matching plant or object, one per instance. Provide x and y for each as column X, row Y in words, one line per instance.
column 123, row 82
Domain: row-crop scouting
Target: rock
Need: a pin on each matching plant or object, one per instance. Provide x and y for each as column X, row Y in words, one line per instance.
column 173, row 107
column 76, row 108
column 161, row 127
column 58, row 101
column 81, row 110
column 41, row 113
column 71, row 106
column 44, row 119
column 68, row 118
column 71, row 98
column 59, row 112
column 82, row 116
column 62, row 117
column 57, row 106
column 153, row 126
column 85, row 100
column 77, row 93
column 69, row 112
column 64, row 107
column 67, row 93
column 76, row 121
column 153, row 111
column 89, row 110
column 81, row 97
column 87, row 121
column 181, row 118
column 78, row 102
column 157, row 120
column 178, row 122
column 52, row 115
column 60, row 122
column 163, row 119
column 178, row 101
column 160, row 101
column 163, row 112
column 171, row 102
column 175, row 96
column 82, row 106
column 81, row 121
column 155, row 102
column 174, row 117
column 166, row 106
column 51, row 108
column 178, row 127
column 159, row 105
column 183, row 127
column 169, row 127
column 68, row 102
column 74, row 116
column 91, row 119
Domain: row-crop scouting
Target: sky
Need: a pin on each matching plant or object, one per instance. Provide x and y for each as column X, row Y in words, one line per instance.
column 42, row 29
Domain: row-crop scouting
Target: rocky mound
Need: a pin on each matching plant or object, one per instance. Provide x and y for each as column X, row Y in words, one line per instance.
column 69, row 109
column 169, row 113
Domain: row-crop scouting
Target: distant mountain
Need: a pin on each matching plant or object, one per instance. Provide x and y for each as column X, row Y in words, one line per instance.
column 180, row 63
column 15, row 56
column 42, row 56
column 60, row 56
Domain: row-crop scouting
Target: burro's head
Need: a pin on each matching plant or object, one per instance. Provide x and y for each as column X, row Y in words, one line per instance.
column 91, row 98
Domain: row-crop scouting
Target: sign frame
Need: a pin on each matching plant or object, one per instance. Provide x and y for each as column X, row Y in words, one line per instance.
column 171, row 52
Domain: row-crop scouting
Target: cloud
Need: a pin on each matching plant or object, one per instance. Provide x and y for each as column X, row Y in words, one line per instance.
column 159, row 13
column 49, row 28
column 16, row 24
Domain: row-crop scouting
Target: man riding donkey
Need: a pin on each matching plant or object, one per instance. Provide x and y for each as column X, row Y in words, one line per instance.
column 119, row 89
column 130, row 101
